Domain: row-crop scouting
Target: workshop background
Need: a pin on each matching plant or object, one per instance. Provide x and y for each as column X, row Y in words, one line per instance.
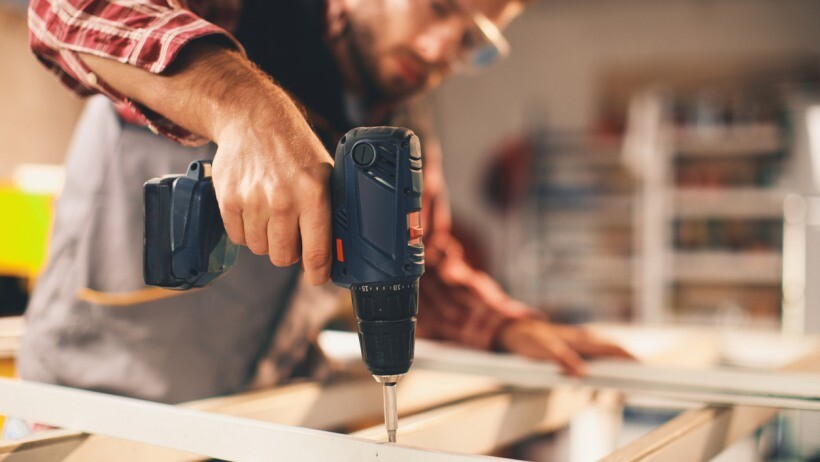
column 728, row 73
column 631, row 161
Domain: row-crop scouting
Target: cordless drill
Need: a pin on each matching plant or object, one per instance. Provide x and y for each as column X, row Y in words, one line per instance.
column 378, row 254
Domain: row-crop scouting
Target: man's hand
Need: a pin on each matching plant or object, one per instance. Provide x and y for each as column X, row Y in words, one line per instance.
column 271, row 173
column 563, row 344
column 272, row 185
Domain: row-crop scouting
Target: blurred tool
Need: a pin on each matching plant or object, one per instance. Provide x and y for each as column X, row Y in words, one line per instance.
column 376, row 188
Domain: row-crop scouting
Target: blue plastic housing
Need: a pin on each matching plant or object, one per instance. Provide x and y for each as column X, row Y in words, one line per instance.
column 373, row 194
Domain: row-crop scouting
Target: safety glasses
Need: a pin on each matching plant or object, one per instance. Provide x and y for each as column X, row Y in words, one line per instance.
column 478, row 43
column 482, row 45
column 485, row 46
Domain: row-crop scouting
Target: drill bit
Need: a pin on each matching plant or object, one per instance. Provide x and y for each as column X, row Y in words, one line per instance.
column 391, row 412
column 391, row 418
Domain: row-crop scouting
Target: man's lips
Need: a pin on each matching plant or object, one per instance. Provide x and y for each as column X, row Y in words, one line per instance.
column 413, row 73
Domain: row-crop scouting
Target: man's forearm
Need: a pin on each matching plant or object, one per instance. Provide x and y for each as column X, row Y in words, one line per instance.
column 270, row 172
column 208, row 87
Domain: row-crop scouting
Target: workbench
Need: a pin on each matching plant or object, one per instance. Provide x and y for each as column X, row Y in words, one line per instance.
column 489, row 402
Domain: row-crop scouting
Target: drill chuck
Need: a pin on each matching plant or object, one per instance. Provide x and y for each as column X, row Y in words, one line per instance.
column 387, row 325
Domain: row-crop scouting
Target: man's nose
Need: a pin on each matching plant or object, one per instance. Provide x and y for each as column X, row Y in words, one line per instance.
column 438, row 45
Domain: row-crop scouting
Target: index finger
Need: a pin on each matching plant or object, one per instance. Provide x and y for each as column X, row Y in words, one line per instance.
column 316, row 230
column 612, row 350
column 568, row 360
column 592, row 346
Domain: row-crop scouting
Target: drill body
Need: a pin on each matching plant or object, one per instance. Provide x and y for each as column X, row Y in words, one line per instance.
column 378, row 254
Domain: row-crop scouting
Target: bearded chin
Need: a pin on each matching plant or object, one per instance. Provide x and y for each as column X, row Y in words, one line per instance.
column 364, row 61
column 360, row 47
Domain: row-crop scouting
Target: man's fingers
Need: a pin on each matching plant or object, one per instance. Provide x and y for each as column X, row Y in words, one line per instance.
column 568, row 359
column 619, row 352
column 589, row 344
column 605, row 349
column 540, row 340
column 315, row 228
column 256, row 231
column 283, row 240
column 614, row 351
column 557, row 350
column 234, row 225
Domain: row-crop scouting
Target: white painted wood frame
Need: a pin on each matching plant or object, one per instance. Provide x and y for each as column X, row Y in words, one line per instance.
column 308, row 404
column 701, row 434
column 792, row 389
column 208, row 434
column 503, row 416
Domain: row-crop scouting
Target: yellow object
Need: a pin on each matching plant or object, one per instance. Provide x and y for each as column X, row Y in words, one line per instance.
column 7, row 367
column 25, row 220
column 6, row 370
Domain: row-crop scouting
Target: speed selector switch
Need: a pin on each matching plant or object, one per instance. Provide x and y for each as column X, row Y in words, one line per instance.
column 364, row 154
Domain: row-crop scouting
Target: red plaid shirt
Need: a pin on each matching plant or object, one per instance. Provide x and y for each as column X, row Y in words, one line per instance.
column 459, row 303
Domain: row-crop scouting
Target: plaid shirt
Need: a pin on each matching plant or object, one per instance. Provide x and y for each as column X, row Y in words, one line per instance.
column 458, row 302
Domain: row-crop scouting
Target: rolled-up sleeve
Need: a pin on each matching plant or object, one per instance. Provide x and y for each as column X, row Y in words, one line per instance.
column 147, row 34
column 457, row 302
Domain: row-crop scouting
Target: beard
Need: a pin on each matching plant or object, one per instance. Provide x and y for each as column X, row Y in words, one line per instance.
column 368, row 27
column 360, row 50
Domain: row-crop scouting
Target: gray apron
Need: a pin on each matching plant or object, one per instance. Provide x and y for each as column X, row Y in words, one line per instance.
column 92, row 323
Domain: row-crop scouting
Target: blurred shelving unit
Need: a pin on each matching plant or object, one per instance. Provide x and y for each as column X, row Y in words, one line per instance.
column 683, row 219
column 738, row 140
column 710, row 220
column 580, row 253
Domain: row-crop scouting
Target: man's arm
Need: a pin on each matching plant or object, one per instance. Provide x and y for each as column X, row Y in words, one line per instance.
column 270, row 173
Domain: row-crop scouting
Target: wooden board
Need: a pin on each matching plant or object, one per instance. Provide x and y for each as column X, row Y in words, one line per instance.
column 484, row 424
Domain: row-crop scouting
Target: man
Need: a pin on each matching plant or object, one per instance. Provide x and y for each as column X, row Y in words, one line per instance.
column 201, row 72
